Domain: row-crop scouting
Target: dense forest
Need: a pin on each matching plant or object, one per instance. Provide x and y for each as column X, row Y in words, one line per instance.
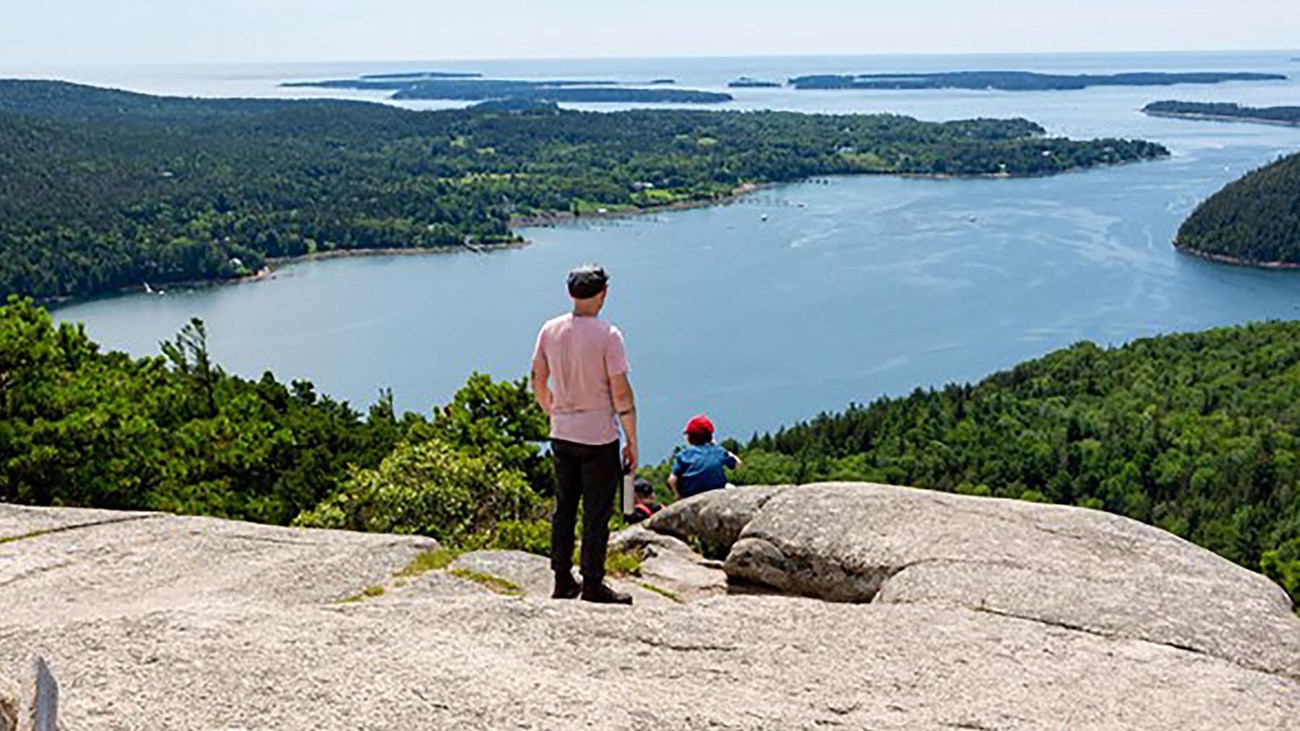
column 1254, row 220
column 175, row 432
column 104, row 189
column 1018, row 80
column 1224, row 110
column 1198, row 434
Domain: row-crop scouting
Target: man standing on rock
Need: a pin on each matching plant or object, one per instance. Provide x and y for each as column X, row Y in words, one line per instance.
column 580, row 381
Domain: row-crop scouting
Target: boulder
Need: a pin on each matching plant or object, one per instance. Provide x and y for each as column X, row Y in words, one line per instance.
column 670, row 566
column 714, row 519
column 1062, row 566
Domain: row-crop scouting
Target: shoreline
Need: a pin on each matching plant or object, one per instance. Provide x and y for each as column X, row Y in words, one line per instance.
column 1198, row 117
column 274, row 264
column 545, row 220
column 1234, row 261
column 538, row 220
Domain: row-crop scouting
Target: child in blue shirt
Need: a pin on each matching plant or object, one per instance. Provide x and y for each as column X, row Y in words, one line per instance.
column 703, row 465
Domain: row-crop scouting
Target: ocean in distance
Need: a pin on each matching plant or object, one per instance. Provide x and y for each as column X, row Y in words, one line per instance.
column 850, row 289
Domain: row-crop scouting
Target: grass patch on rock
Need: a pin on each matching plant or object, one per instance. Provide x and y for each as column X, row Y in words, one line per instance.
column 623, row 563
column 426, row 561
column 369, row 592
column 670, row 595
column 493, row 583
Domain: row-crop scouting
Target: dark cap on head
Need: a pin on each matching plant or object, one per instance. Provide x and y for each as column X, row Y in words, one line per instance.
column 587, row 280
column 643, row 487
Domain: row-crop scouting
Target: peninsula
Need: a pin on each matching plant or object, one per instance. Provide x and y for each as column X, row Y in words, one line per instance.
column 1225, row 112
column 1017, row 80
column 1254, row 220
column 107, row 189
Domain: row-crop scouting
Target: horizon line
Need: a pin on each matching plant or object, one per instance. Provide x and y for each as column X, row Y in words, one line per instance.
column 5, row 68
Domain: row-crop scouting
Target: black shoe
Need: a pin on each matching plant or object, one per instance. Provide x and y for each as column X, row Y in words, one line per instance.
column 602, row 594
column 566, row 587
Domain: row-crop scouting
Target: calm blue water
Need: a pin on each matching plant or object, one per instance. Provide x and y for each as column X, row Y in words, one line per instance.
column 852, row 288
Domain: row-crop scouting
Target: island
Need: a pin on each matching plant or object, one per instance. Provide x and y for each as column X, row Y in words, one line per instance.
column 423, row 87
column 407, row 75
column 107, row 189
column 1253, row 221
column 1224, row 112
column 746, row 82
column 660, row 82
column 1017, row 80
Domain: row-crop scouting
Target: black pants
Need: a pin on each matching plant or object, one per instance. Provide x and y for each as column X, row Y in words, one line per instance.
column 590, row 473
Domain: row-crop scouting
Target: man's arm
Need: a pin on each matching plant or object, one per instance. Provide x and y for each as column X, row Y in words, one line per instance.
column 541, row 385
column 672, row 483
column 735, row 461
column 625, row 406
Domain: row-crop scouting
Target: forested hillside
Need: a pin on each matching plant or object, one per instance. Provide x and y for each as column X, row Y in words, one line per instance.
column 1254, row 220
column 103, row 189
column 175, row 432
column 1198, row 434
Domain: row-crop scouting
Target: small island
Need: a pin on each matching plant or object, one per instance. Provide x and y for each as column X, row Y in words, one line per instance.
column 662, row 82
column 408, row 75
column 427, row 87
column 1017, row 80
column 1225, row 112
column 746, row 82
column 1253, row 221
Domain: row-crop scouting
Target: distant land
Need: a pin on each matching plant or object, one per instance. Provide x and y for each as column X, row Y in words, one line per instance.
column 746, row 82
column 658, row 82
column 1018, row 80
column 423, row 86
column 106, row 189
column 1254, row 220
column 1224, row 111
column 426, row 75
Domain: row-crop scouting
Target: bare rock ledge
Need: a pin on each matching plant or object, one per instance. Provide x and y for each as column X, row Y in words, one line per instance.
column 888, row 608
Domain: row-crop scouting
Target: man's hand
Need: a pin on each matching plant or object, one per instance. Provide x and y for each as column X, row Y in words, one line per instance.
column 541, row 386
column 629, row 458
column 625, row 406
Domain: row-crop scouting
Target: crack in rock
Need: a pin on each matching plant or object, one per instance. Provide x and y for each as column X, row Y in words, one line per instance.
column 78, row 526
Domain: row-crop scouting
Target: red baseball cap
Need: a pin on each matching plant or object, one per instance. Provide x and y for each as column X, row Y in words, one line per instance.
column 699, row 424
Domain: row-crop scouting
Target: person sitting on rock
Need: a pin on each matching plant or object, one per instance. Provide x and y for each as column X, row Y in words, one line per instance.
column 645, row 505
column 702, row 465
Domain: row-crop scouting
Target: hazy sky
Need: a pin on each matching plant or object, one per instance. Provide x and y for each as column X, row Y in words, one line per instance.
column 57, row 33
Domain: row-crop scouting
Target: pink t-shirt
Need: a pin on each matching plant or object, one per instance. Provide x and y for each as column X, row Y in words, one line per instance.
column 582, row 355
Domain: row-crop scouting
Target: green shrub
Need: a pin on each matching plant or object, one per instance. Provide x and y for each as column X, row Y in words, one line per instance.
column 430, row 489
